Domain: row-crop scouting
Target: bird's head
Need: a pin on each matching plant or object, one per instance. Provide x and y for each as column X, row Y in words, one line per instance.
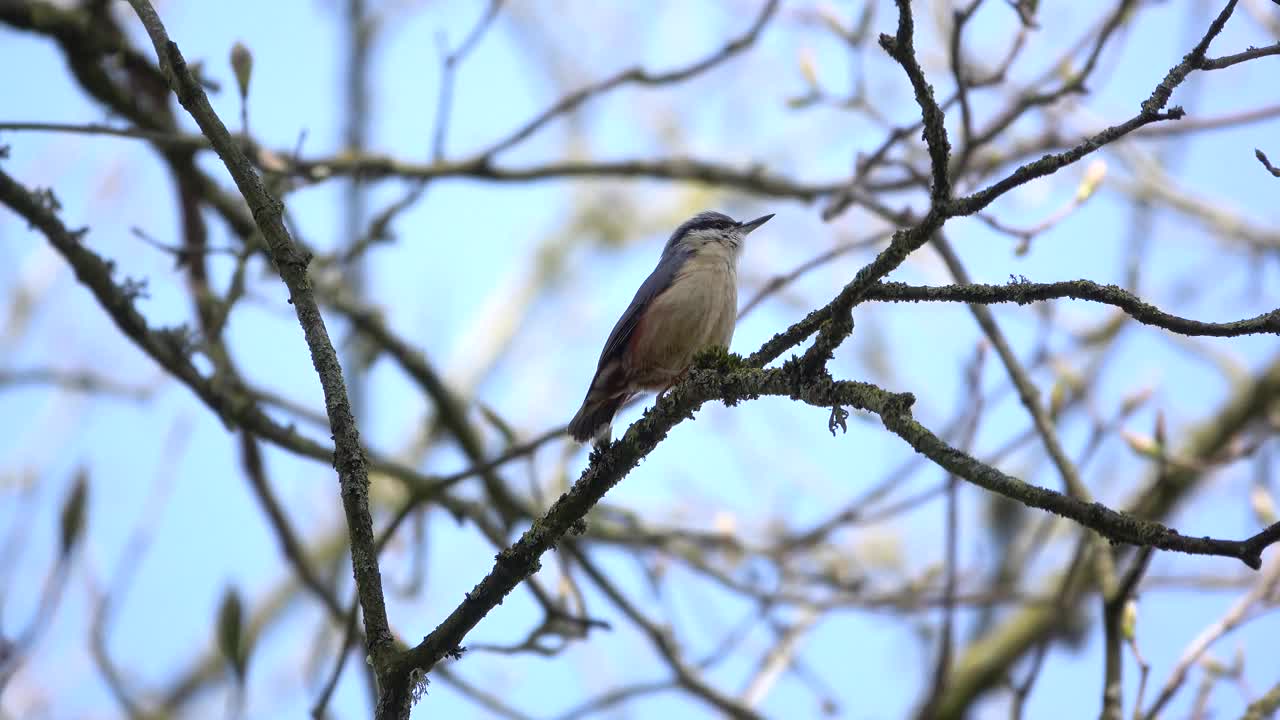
column 711, row 231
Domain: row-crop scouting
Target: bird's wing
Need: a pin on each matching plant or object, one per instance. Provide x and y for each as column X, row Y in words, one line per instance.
column 658, row 281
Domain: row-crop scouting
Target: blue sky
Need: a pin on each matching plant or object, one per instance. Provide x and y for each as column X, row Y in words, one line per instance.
column 468, row 243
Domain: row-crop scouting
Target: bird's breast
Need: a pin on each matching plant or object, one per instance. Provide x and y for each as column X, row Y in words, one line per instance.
column 697, row 311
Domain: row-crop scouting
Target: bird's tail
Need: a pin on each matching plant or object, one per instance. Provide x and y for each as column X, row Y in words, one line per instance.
column 595, row 417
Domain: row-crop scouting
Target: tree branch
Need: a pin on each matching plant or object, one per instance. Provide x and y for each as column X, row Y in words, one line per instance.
column 349, row 458
column 729, row 379
column 1028, row 292
column 901, row 48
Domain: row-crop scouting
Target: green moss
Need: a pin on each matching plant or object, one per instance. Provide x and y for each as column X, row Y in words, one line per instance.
column 718, row 359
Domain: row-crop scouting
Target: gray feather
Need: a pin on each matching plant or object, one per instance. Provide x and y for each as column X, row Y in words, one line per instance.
column 653, row 286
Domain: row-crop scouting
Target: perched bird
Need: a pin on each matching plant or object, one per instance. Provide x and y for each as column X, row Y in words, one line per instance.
column 687, row 304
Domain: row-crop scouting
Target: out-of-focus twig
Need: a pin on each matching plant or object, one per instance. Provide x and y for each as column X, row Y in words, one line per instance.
column 1236, row 615
column 634, row 75
column 85, row 381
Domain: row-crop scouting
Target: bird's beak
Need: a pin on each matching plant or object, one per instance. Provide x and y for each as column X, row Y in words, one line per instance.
column 746, row 227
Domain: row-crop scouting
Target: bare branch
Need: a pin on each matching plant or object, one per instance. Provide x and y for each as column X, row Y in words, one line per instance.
column 734, row 383
column 1028, row 292
column 635, row 75
column 1262, row 158
column 85, row 381
column 349, row 456
column 1229, row 60
column 1234, row 617
column 1113, row 609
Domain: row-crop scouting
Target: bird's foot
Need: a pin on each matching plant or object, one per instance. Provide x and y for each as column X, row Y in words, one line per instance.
column 674, row 381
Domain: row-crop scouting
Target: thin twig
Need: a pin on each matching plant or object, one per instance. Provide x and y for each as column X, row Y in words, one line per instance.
column 1237, row 614
column 636, row 75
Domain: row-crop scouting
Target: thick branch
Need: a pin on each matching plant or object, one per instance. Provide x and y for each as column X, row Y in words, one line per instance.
column 733, row 382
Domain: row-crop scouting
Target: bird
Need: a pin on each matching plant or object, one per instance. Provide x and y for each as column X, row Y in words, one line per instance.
column 687, row 304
